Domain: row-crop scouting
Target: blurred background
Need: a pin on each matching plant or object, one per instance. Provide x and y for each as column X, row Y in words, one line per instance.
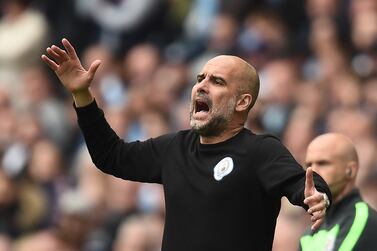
column 317, row 61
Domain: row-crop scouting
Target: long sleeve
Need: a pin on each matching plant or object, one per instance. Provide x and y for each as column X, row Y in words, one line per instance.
column 281, row 175
column 136, row 161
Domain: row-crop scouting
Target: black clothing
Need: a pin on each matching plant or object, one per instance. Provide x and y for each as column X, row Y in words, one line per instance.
column 223, row 196
column 349, row 225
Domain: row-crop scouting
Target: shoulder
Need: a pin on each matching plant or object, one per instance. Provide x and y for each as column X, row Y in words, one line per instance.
column 362, row 216
column 180, row 136
column 258, row 139
column 372, row 216
column 364, row 227
column 371, row 222
column 268, row 138
column 269, row 143
column 267, row 147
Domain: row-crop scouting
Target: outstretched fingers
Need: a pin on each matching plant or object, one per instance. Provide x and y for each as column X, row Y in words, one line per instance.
column 50, row 63
column 68, row 68
column 94, row 66
column 62, row 53
column 309, row 182
column 55, row 56
column 69, row 48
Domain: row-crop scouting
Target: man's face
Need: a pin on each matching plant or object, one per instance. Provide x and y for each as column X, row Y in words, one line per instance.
column 323, row 158
column 214, row 97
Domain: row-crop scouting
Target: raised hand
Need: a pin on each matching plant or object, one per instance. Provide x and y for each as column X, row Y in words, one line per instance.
column 69, row 69
column 316, row 201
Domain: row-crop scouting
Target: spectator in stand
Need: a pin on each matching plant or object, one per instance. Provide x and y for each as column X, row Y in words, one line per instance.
column 122, row 23
column 23, row 33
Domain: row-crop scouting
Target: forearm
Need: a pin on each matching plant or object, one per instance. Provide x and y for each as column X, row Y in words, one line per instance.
column 111, row 154
column 97, row 133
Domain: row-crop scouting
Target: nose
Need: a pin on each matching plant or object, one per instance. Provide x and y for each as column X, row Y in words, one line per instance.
column 314, row 167
column 202, row 86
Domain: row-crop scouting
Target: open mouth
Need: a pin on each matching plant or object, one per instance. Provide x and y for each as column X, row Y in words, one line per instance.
column 201, row 106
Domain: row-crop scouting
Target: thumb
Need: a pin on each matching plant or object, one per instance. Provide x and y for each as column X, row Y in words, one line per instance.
column 309, row 183
column 93, row 68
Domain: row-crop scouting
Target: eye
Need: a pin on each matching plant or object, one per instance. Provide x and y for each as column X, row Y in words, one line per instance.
column 219, row 81
column 199, row 78
column 323, row 163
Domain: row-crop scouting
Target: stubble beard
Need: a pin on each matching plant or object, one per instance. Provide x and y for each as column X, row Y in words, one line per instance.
column 219, row 121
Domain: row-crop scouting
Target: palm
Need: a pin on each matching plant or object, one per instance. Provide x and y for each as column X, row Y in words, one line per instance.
column 68, row 68
column 73, row 76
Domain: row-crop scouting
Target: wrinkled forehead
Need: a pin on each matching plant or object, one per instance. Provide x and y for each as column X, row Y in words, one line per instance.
column 227, row 67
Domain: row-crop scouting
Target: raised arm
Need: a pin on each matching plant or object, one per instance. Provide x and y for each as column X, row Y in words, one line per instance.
column 68, row 68
column 136, row 161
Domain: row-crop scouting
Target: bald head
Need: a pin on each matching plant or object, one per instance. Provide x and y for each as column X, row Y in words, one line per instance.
column 245, row 74
column 334, row 157
column 337, row 144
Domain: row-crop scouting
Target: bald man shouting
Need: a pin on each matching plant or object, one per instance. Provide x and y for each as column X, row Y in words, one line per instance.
column 222, row 183
column 350, row 224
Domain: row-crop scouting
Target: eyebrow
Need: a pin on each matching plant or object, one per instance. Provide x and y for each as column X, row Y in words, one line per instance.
column 319, row 162
column 218, row 78
column 201, row 75
column 212, row 77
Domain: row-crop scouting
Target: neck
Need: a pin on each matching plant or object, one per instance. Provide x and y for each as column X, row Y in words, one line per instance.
column 350, row 186
column 227, row 134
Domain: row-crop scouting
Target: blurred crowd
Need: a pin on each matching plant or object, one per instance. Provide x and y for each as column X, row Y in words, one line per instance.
column 317, row 61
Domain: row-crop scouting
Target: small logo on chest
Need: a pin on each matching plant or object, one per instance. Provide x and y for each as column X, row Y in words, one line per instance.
column 223, row 168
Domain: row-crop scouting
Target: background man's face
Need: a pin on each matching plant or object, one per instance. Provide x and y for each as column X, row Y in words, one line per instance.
column 214, row 97
column 325, row 160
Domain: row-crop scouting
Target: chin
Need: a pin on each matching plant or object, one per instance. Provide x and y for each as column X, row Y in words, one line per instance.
column 209, row 128
column 198, row 123
column 198, row 126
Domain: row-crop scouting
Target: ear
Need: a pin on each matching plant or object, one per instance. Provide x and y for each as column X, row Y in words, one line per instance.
column 244, row 102
column 351, row 170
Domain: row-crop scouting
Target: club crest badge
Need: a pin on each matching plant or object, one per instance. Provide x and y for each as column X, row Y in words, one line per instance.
column 223, row 168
